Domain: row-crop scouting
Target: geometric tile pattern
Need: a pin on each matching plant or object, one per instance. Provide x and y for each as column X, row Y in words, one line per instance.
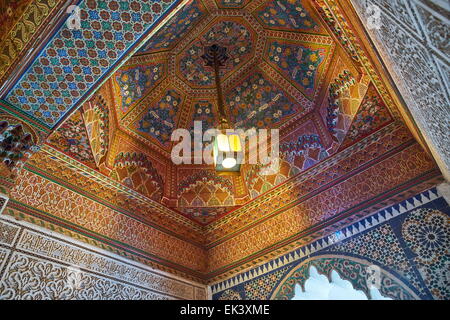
column 160, row 118
column 72, row 138
column 427, row 233
column 231, row 34
column 76, row 58
column 382, row 246
column 258, row 289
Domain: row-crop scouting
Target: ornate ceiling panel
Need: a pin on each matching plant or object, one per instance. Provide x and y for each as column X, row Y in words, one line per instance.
column 234, row 34
column 292, row 66
column 291, row 15
column 274, row 104
column 134, row 82
column 76, row 58
column 276, row 71
column 161, row 117
column 300, row 63
column 176, row 28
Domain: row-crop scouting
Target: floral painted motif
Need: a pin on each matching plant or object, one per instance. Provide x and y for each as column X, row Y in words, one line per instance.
column 204, row 112
column 72, row 139
column 259, row 103
column 160, row 119
column 136, row 82
column 10, row 14
column 297, row 62
column 290, row 14
column 176, row 28
column 230, row 34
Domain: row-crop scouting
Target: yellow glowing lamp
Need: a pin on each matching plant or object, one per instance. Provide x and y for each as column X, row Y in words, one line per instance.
column 227, row 152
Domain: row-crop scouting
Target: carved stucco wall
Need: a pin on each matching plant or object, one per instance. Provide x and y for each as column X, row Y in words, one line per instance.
column 413, row 40
column 36, row 263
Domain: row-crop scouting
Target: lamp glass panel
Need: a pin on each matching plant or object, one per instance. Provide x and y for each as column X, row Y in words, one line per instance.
column 223, row 143
column 235, row 142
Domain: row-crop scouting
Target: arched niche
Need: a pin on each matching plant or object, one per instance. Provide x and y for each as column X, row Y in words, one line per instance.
column 360, row 273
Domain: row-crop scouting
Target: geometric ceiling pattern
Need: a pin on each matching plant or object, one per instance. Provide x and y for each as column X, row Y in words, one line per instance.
column 298, row 59
column 344, row 147
column 285, row 71
column 273, row 77
column 76, row 58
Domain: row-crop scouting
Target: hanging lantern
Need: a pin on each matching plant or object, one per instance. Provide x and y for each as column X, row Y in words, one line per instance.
column 227, row 148
column 227, row 152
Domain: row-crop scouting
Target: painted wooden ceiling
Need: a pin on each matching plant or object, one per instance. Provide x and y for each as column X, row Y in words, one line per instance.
column 112, row 93
column 286, row 70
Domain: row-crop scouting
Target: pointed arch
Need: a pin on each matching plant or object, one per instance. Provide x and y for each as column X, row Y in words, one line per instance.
column 348, row 268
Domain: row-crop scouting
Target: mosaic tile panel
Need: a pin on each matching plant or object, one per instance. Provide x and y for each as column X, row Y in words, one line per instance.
column 75, row 59
column 408, row 241
column 426, row 232
column 230, row 295
column 382, row 246
column 258, row 288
